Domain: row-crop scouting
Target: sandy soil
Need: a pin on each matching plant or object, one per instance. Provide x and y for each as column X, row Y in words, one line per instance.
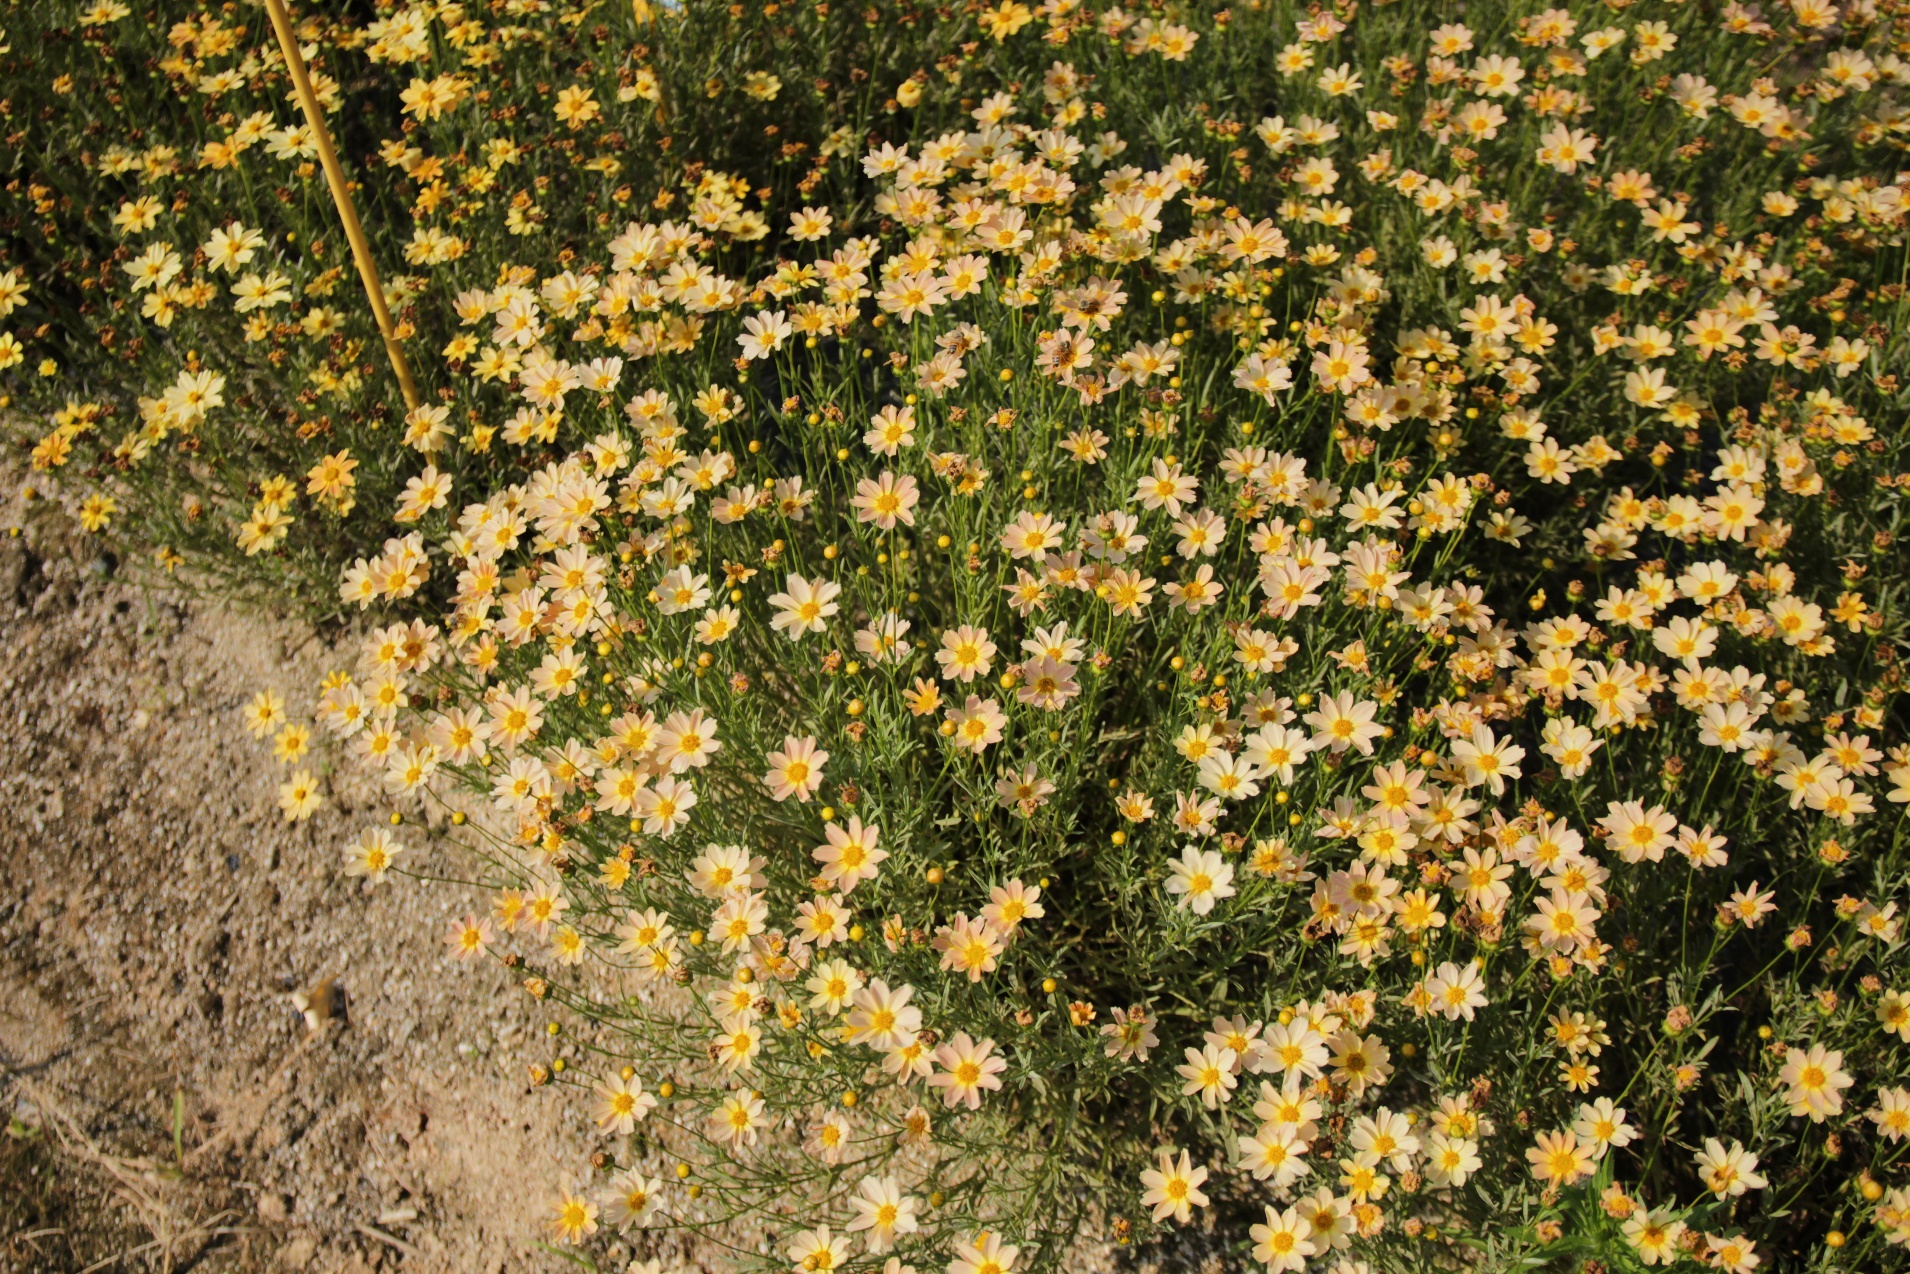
column 165, row 1096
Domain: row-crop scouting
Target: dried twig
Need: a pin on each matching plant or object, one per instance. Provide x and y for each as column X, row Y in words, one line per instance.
column 206, row 1233
column 372, row 1231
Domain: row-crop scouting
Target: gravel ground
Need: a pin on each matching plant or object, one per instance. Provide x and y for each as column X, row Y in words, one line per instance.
column 156, row 915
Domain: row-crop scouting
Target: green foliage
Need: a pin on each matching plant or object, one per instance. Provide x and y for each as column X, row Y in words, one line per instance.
column 1502, row 712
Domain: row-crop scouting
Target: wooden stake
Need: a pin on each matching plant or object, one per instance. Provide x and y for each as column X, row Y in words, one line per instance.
column 341, row 196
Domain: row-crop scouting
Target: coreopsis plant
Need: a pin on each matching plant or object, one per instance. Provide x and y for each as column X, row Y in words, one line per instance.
column 1088, row 621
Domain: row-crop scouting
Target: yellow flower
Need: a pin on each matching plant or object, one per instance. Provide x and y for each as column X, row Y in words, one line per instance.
column 576, row 107
column 299, row 797
column 573, row 1219
column 1006, row 19
column 431, row 99
column 98, row 511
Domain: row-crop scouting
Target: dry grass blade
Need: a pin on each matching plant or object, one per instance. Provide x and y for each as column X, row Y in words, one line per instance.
column 134, row 1181
column 203, row 1235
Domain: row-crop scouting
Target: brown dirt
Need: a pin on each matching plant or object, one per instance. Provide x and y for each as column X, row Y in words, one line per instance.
column 156, row 914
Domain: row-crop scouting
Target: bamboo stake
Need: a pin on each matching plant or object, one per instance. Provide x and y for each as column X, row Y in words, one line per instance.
column 341, row 196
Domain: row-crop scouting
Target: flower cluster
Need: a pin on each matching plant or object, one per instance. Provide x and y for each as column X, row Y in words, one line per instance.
column 1045, row 645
